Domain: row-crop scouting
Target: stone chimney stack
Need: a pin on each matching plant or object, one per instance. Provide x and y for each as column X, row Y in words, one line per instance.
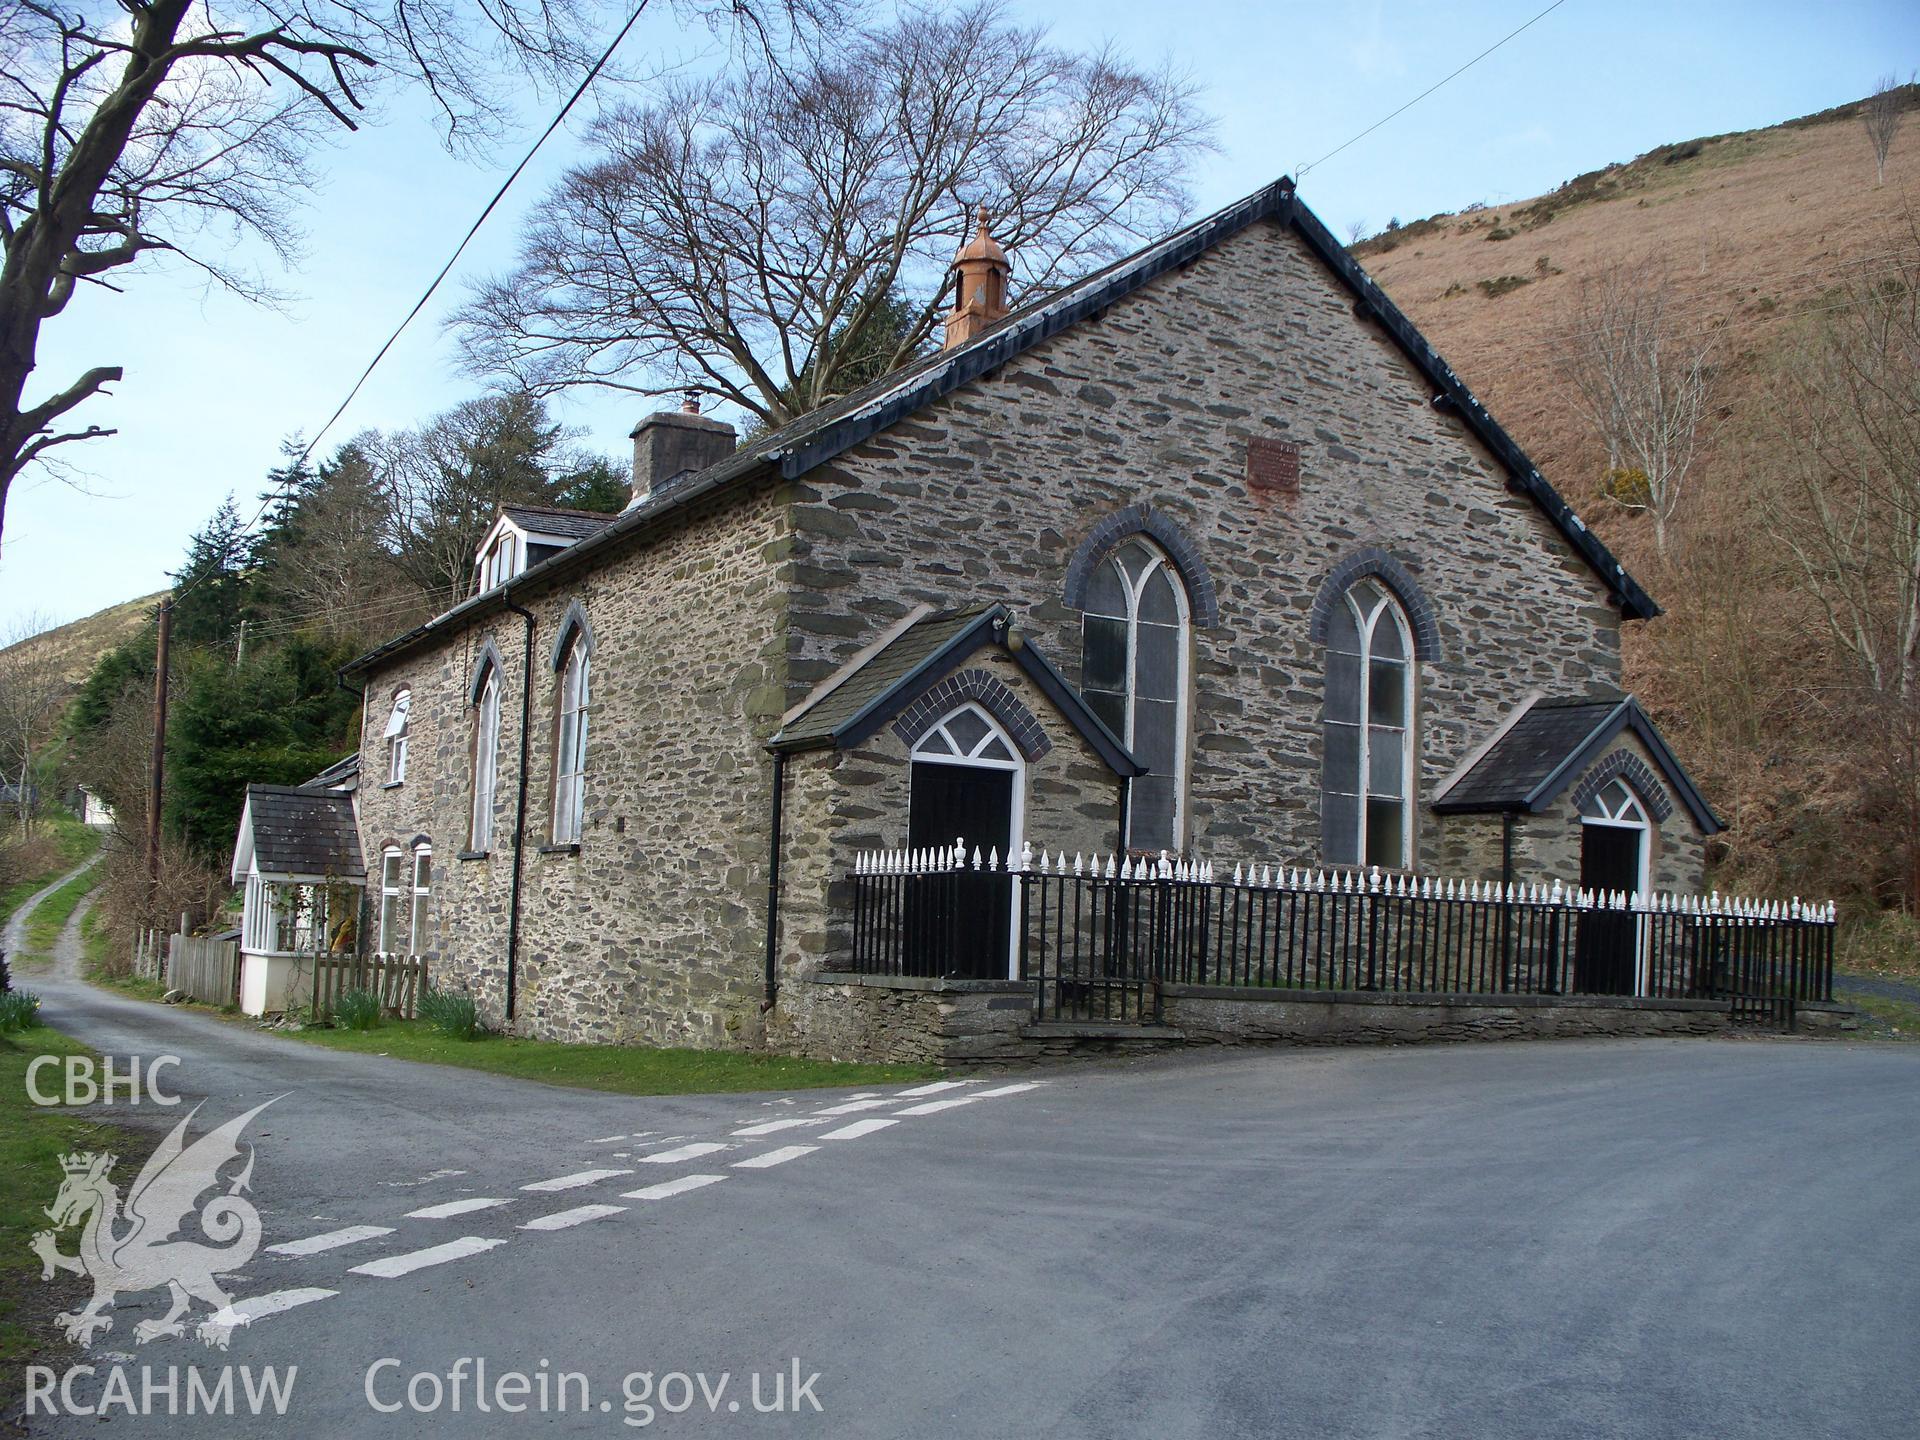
column 673, row 443
column 979, row 276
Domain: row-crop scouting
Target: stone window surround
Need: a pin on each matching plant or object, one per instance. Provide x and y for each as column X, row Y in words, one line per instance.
column 574, row 634
column 1142, row 519
column 1627, row 766
column 991, row 694
column 1373, row 563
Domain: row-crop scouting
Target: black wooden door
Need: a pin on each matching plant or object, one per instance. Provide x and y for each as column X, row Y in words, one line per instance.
column 1604, row 960
column 963, row 926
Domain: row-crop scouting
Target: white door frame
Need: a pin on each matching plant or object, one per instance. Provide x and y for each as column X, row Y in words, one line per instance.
column 1017, row 806
column 1631, row 816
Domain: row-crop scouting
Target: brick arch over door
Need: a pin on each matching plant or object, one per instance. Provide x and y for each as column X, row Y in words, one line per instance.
column 1143, row 519
column 987, row 691
column 1627, row 766
column 1376, row 564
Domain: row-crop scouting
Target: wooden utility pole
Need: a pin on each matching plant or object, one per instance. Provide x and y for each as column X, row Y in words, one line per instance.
column 159, row 752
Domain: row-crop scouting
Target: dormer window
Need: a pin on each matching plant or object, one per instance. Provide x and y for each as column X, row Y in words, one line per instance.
column 503, row 560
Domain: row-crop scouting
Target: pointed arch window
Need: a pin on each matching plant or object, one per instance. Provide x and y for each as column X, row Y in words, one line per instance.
column 486, row 761
column 573, row 705
column 1367, row 762
column 1133, row 673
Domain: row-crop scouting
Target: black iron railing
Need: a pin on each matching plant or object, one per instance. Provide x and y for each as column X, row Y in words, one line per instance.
column 1098, row 939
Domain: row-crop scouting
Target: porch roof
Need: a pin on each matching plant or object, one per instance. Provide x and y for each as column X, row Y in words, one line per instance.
column 291, row 832
column 919, row 657
column 1548, row 744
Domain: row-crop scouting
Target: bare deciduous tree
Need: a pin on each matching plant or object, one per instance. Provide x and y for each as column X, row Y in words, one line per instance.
column 1882, row 113
column 742, row 237
column 182, row 128
column 1643, row 381
column 33, row 687
column 1848, row 510
column 1356, row 231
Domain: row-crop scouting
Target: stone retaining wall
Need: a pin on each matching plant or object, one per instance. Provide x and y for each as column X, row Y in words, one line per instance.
column 962, row 1023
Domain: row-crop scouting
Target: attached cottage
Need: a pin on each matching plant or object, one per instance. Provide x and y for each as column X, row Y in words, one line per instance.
column 1206, row 558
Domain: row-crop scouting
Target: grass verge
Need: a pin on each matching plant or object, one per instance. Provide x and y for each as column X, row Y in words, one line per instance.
column 1881, row 1018
column 624, row 1069
column 32, row 1139
column 70, row 842
column 1886, row 945
column 51, row 915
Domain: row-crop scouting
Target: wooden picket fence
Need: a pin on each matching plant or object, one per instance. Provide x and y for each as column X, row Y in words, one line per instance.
column 150, row 953
column 205, row 968
column 396, row 979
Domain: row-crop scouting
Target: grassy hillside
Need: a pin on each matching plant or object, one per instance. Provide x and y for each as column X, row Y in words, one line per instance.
column 80, row 644
column 1758, row 233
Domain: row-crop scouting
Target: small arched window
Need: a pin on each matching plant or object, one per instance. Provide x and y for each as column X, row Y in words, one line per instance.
column 486, row 760
column 572, row 706
column 1133, row 673
column 1615, row 804
column 396, row 735
column 418, row 928
column 1367, row 764
column 393, row 911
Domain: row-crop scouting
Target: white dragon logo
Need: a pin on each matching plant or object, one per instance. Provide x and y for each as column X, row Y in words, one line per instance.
column 145, row 1255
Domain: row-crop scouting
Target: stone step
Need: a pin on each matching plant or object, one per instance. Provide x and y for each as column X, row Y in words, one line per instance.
column 1069, row 1030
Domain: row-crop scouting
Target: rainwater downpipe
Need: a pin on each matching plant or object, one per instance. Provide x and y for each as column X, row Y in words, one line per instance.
column 520, row 803
column 773, row 883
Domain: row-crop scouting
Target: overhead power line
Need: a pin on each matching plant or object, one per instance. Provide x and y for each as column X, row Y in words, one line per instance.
column 1395, row 114
column 434, row 285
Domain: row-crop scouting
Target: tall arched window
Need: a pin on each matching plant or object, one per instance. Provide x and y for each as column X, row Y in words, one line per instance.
column 486, row 760
column 1134, row 674
column 572, row 704
column 1367, row 769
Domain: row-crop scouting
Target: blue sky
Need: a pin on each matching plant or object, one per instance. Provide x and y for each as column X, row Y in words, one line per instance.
column 213, row 384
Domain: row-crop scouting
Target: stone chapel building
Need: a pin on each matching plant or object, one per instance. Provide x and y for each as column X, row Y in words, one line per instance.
column 1209, row 553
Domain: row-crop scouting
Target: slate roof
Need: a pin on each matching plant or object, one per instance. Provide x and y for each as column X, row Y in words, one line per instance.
column 918, row 658
column 813, row 439
column 294, row 831
column 551, row 520
column 1550, row 745
column 343, row 774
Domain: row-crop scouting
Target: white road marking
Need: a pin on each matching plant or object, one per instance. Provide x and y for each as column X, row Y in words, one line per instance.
column 768, row 1127
column 854, row 1106
column 579, row 1215
column 857, row 1129
column 576, row 1180
column 332, row 1240
column 394, row 1266
column 774, row 1157
column 685, row 1152
column 449, row 1208
column 1008, row 1089
column 607, row 1140
column 669, row 1188
column 255, row 1307
column 934, row 1107
column 934, row 1089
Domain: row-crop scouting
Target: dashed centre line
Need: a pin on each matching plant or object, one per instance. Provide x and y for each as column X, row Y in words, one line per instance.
column 391, row 1267
column 934, row 1089
column 769, row 1127
column 255, row 1307
column 449, row 1208
column 774, row 1157
column 578, row 1179
column 332, row 1240
column 669, row 1188
column 684, row 1152
column 853, row 1107
column 934, row 1107
column 858, row 1128
column 579, row 1215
